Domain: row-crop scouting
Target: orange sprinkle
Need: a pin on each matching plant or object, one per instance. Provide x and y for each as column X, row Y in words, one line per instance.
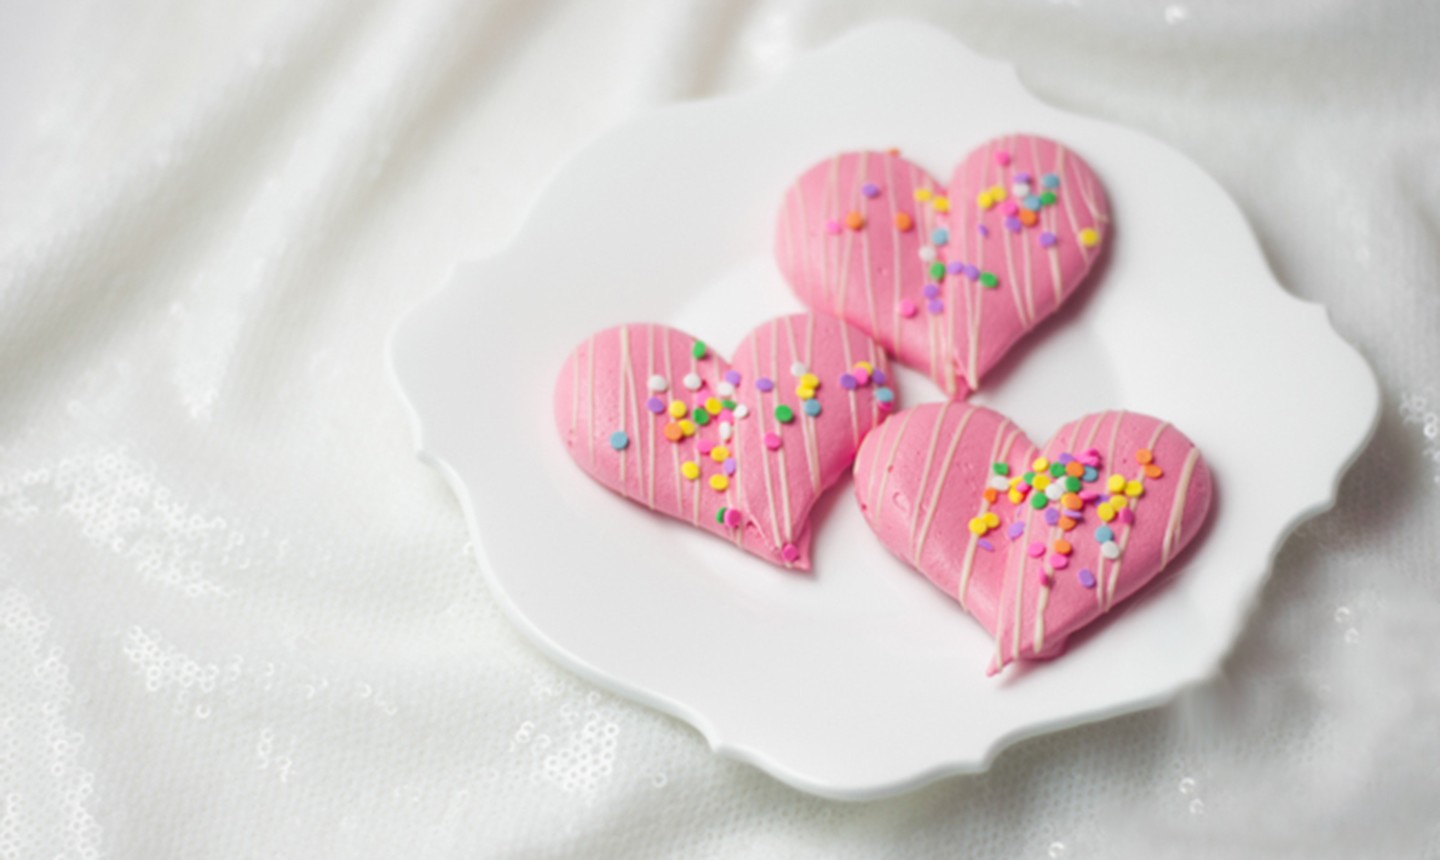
column 990, row 495
column 893, row 150
column 1066, row 524
column 673, row 432
column 854, row 220
column 903, row 222
column 1028, row 217
column 1062, row 546
column 1153, row 471
column 1144, row 456
column 1074, row 469
column 1072, row 501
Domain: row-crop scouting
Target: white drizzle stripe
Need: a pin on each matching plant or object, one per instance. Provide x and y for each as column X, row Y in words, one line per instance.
column 674, row 448
column 925, row 472
column 998, row 452
column 760, row 416
column 1134, row 505
column 940, row 483
column 865, row 251
column 890, row 460
column 1177, row 507
column 1042, row 600
column 784, row 468
column 623, row 390
column 1109, row 465
column 895, row 248
column 590, row 397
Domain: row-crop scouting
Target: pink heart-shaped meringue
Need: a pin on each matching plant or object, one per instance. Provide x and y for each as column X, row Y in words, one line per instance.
column 947, row 279
column 930, row 485
column 759, row 451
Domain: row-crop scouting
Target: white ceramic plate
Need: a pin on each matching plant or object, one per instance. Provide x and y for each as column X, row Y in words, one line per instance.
column 863, row 680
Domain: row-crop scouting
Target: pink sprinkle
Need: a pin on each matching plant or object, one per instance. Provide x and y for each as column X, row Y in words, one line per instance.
column 732, row 518
column 886, row 405
column 727, row 415
column 1088, row 495
column 1092, row 462
column 908, row 308
column 1058, row 561
column 832, row 227
column 789, row 552
column 1042, row 576
column 1092, row 452
column 705, row 446
column 1126, row 516
column 862, row 376
column 772, row 441
column 1036, row 549
column 1002, row 158
column 1010, row 207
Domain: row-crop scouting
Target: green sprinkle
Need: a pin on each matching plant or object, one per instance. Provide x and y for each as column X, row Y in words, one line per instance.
column 698, row 350
column 784, row 414
column 1001, row 468
column 701, row 416
column 1057, row 470
column 1029, row 478
column 720, row 516
column 1072, row 484
column 989, row 281
column 728, row 404
column 1038, row 500
column 937, row 270
column 1047, row 199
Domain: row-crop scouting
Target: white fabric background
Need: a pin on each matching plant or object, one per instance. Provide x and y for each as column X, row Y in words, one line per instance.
column 238, row 618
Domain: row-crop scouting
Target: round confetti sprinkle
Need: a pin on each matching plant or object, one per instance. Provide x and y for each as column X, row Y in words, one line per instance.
column 713, row 405
column 1066, row 524
column 926, row 253
column 1126, row 516
column 922, row 194
column 982, row 230
column 1103, row 534
column 1000, row 468
column 931, row 291
column 848, row 382
column 940, row 204
column 700, row 416
column 619, row 440
column 690, row 469
column 784, row 414
column 1002, row 158
column 678, row 409
column 1087, row 577
column 1090, row 475
column 798, row 369
column 1062, row 546
column 939, row 236
column 742, row 411
column 704, row 446
column 1016, row 529
column 1012, row 223
column 1020, row 189
column 985, row 544
column 804, row 392
column 989, row 281
column 789, row 552
column 693, row 381
column 1047, row 199
column 1052, row 517
column 1071, row 502
column 658, row 383
column 1029, row 218
column 655, row 405
column 1030, row 201
column 1105, row 512
column 907, row 308
column 1119, row 503
column 833, row 227
column 1153, row 471
column 884, row 394
column 772, row 441
column 992, row 519
column 732, row 377
column 729, row 467
column 1040, row 464
column 719, row 483
column 935, row 306
column 1054, row 491
column 1010, row 208
column 977, row 526
column 809, row 380
column 1134, row 489
column 765, row 384
column 1059, row 562
column 1115, row 483
column 1035, row 549
column 1144, row 456
column 1089, row 237
column 903, row 222
column 998, row 483
column 673, row 432
column 720, row 516
column 719, row 453
column 1050, row 180
column 727, row 430
column 699, row 350
column 985, row 200
column 1023, row 176
column 861, row 374
column 733, row 518
column 1042, row 578
column 937, row 270
column 812, row 408
column 870, row 190
column 955, row 267
column 854, row 220
column 971, row 272
column 1110, row 549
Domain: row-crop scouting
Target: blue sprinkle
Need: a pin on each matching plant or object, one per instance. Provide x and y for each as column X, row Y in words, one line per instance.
column 1050, row 180
column 939, row 236
column 884, row 394
column 1091, row 474
column 619, row 440
column 1031, row 202
column 812, row 407
column 1103, row 534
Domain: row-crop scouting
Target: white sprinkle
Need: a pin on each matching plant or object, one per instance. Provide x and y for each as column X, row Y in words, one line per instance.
column 1020, row 189
column 692, row 381
column 927, row 253
column 726, row 431
column 725, row 389
column 999, row 482
column 1110, row 549
column 799, row 369
column 742, row 410
column 1054, row 491
column 659, row 383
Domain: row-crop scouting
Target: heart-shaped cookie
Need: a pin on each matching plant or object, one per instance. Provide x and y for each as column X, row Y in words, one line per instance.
column 1034, row 544
column 741, row 449
column 946, row 278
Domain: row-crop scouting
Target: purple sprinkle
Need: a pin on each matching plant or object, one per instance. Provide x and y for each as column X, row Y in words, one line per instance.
column 732, row 377
column 655, row 405
column 1047, row 239
column 764, row 384
column 1012, row 223
column 985, row 544
column 1087, row 578
column 1052, row 516
column 935, row 306
column 932, row 291
column 972, row 272
column 1022, row 176
column 728, row 467
column 870, row 189
column 984, row 231
column 954, row 267
column 848, row 382
column 1065, row 459
column 1016, row 529
column 878, row 376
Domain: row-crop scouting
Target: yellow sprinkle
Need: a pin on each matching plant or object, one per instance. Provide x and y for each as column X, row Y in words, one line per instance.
column 678, row 409
column 1041, row 482
column 940, row 204
column 977, row 526
column 1134, row 489
column 687, row 427
column 865, row 366
column 999, row 193
column 1115, row 484
column 1105, row 512
column 690, row 470
column 719, row 483
column 713, row 406
column 1040, row 464
column 804, row 392
column 992, row 520
column 1016, row 498
column 719, row 453
column 1089, row 237
column 984, row 200
column 1119, row 502
column 922, row 194
column 810, row 380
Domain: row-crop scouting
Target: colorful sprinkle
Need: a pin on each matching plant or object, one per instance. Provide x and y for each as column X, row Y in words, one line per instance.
column 727, row 430
column 772, row 441
column 784, row 414
column 989, row 281
column 833, row 227
column 1047, row 199
column 655, row 405
column 903, row 222
column 884, row 395
column 1089, row 238
column 907, row 308
column 1012, row 223
column 955, row 267
column 1087, row 577
column 699, row 350
column 673, row 432
column 732, row 518
column 1115, row 483
column 1134, row 489
column 985, row 200
column 678, row 409
column 719, row 453
column 1126, row 516
column 1050, row 180
column 1144, row 456
column 937, row 270
column 977, row 526
column 789, row 552
column 798, row 369
column 1110, row 549
column 1035, row 549
column 854, row 220
column 870, row 190
column 742, row 411
column 1052, row 517
column 1059, row 562
column 719, row 483
column 713, row 405
column 765, row 384
column 693, row 381
column 658, row 383
column 1153, row 471
column 982, row 230
column 812, row 408
column 879, row 377
column 729, row 467
column 935, row 306
column 848, row 382
column 985, row 544
column 1002, row 158
column 922, row 194
column 619, row 440
column 931, row 291
column 1062, row 546
column 1104, row 534
column 940, row 204
column 1105, row 512
column 733, row 377
column 804, row 392
column 1016, row 529
column 1000, row 468
column 690, row 469
column 939, row 236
